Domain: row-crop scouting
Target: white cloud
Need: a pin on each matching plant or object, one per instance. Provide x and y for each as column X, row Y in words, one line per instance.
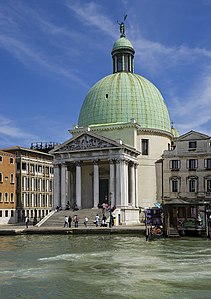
column 91, row 14
column 193, row 111
column 11, row 133
column 21, row 44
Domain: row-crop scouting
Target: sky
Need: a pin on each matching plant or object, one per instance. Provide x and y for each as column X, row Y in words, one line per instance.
column 53, row 51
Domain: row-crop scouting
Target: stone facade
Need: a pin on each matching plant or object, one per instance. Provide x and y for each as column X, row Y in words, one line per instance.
column 7, row 188
column 90, row 167
column 187, row 169
column 123, row 129
column 34, row 183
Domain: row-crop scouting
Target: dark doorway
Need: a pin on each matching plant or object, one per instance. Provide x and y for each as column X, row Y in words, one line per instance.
column 103, row 190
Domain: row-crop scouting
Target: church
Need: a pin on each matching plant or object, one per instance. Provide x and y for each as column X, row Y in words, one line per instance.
column 123, row 129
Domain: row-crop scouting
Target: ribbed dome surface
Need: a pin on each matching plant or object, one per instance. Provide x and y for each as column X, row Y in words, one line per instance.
column 119, row 97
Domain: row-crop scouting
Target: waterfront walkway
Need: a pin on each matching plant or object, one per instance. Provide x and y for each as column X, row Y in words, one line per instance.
column 54, row 224
column 10, row 229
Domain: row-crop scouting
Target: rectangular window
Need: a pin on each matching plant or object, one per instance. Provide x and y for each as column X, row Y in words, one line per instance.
column 207, row 163
column 12, row 178
column 6, row 213
column 145, row 146
column 6, row 197
column 175, row 164
column 1, row 197
column 209, row 185
column 51, row 184
column 43, row 185
column 1, row 158
column 192, row 144
column 192, row 185
column 12, row 213
column 32, row 168
column 192, row 164
column 1, row 177
column 12, row 197
column 175, row 186
column 11, row 161
column 23, row 166
column 0, row 213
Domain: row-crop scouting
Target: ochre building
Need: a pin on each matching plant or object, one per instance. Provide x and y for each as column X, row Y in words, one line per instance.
column 7, row 188
column 34, row 177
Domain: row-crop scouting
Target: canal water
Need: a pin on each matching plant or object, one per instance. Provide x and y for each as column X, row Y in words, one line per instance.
column 101, row 267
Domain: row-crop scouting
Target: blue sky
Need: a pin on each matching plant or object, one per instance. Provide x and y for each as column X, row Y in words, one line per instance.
column 53, row 51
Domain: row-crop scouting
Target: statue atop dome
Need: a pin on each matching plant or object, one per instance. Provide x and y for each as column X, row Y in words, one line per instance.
column 122, row 27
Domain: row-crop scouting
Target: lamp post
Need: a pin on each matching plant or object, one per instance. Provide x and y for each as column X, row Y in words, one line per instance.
column 110, row 222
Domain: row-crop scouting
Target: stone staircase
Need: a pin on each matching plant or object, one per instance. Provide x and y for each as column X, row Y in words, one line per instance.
column 173, row 233
column 57, row 219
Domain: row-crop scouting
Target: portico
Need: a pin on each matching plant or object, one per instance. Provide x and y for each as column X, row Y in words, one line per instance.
column 89, row 167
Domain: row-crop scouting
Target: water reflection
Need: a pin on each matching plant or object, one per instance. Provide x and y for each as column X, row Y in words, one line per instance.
column 104, row 267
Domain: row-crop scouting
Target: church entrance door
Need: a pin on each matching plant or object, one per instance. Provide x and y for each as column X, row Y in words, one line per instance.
column 103, row 190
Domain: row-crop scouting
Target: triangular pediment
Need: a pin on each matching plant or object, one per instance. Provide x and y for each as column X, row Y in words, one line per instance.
column 86, row 141
column 193, row 135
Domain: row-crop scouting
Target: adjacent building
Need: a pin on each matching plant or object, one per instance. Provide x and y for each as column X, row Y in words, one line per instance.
column 34, row 178
column 7, row 188
column 184, row 181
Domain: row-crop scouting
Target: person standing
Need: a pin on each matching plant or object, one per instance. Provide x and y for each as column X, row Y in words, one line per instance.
column 97, row 220
column 85, row 221
column 104, row 221
column 27, row 221
column 70, row 221
column 65, row 221
column 76, row 219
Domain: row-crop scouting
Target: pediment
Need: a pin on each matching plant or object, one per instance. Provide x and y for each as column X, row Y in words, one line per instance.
column 193, row 135
column 85, row 141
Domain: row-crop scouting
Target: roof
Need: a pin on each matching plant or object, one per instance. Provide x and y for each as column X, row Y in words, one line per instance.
column 20, row 148
column 122, row 43
column 87, row 141
column 120, row 97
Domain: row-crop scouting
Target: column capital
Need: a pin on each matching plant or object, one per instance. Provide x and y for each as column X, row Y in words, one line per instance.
column 135, row 165
column 78, row 163
column 96, row 162
column 122, row 161
column 119, row 160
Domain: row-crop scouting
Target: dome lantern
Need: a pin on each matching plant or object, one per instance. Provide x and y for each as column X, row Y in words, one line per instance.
column 124, row 95
column 123, row 53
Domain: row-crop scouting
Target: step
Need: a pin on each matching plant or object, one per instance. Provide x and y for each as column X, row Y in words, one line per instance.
column 57, row 219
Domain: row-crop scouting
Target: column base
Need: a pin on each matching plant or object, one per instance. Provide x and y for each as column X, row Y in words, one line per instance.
column 126, row 216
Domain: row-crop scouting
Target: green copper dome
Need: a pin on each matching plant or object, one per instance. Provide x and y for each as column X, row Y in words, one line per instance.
column 119, row 97
column 122, row 43
column 123, row 96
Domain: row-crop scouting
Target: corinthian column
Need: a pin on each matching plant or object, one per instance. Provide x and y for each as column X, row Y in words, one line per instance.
column 63, row 186
column 56, row 186
column 111, row 182
column 96, row 183
column 78, row 184
column 132, row 185
column 125, row 184
column 118, row 183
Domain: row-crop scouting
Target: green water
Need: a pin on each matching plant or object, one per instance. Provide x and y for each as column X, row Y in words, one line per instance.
column 104, row 267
